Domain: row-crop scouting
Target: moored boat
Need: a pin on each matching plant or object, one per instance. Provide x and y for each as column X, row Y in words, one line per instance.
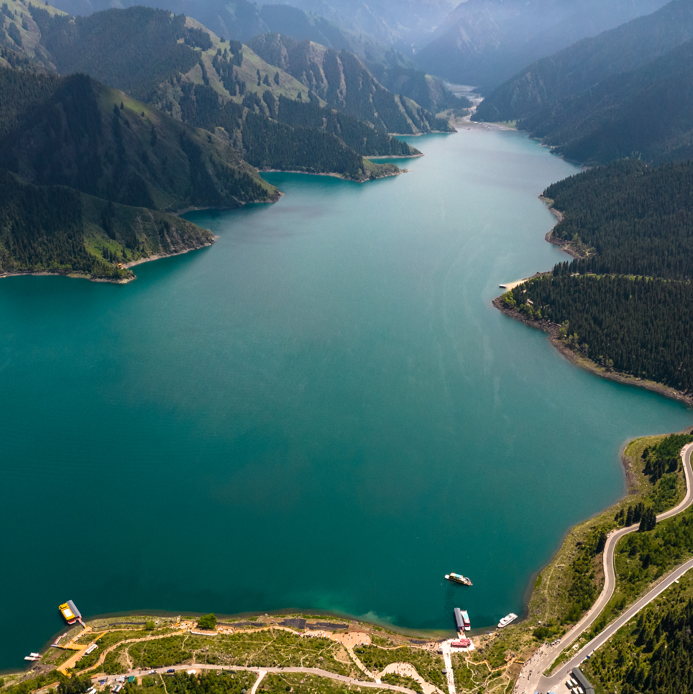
column 458, row 578
column 70, row 612
column 507, row 619
column 467, row 623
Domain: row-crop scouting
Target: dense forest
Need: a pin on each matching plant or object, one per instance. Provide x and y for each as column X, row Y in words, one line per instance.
column 628, row 218
column 636, row 326
column 624, row 302
column 653, row 654
column 58, row 229
column 134, row 51
column 83, row 135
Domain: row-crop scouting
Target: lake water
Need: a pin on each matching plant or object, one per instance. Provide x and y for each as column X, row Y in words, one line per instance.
column 321, row 411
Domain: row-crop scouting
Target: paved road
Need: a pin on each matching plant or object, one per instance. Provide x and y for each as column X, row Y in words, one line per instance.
column 531, row 679
column 111, row 679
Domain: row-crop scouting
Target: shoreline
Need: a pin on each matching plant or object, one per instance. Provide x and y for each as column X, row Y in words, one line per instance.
column 160, row 256
column 395, row 156
column 69, row 275
column 399, row 172
column 551, row 329
column 105, row 280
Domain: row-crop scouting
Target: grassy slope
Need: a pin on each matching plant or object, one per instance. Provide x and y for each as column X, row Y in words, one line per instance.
column 136, row 234
column 56, row 230
column 31, row 36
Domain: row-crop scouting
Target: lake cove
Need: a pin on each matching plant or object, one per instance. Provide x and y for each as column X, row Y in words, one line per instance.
column 323, row 410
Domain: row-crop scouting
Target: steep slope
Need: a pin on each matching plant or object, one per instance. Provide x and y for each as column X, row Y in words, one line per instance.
column 161, row 58
column 77, row 132
column 241, row 20
column 427, row 91
column 483, row 42
column 256, row 131
column 401, row 23
column 585, row 64
column 139, row 49
column 344, row 83
column 644, row 113
column 170, row 60
column 55, row 229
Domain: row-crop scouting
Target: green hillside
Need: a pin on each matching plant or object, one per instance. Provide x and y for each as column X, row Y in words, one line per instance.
column 623, row 303
column 267, row 143
column 172, row 62
column 59, row 230
column 345, row 84
column 79, row 133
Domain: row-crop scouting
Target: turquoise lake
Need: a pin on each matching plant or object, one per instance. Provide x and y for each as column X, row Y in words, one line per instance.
column 321, row 411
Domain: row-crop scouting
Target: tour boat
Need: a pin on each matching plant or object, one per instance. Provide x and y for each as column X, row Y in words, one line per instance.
column 458, row 578
column 467, row 623
column 506, row 620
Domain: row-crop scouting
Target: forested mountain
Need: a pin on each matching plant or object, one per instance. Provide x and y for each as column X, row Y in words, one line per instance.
column 624, row 301
column 584, row 65
column 150, row 53
column 344, row 83
column 78, row 133
column 241, row 20
column 484, row 42
column 171, row 62
column 255, row 129
column 628, row 218
column 644, row 113
column 58, row 229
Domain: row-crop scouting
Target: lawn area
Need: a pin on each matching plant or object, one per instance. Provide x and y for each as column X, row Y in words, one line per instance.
column 429, row 665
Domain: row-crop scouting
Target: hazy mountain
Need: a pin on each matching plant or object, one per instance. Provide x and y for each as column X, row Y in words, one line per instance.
column 627, row 91
column 590, row 61
column 400, row 23
column 484, row 42
column 241, row 20
column 645, row 113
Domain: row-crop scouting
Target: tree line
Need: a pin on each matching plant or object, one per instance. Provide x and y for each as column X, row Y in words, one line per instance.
column 624, row 303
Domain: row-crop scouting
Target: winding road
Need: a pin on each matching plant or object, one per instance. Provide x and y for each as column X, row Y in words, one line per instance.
column 531, row 679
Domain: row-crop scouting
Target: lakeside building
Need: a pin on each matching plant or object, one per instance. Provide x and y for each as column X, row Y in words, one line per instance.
column 583, row 681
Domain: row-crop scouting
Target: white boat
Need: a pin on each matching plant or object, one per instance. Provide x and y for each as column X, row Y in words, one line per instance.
column 36, row 655
column 507, row 619
column 458, row 578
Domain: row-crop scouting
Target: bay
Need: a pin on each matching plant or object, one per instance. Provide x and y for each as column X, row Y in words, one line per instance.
column 321, row 411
